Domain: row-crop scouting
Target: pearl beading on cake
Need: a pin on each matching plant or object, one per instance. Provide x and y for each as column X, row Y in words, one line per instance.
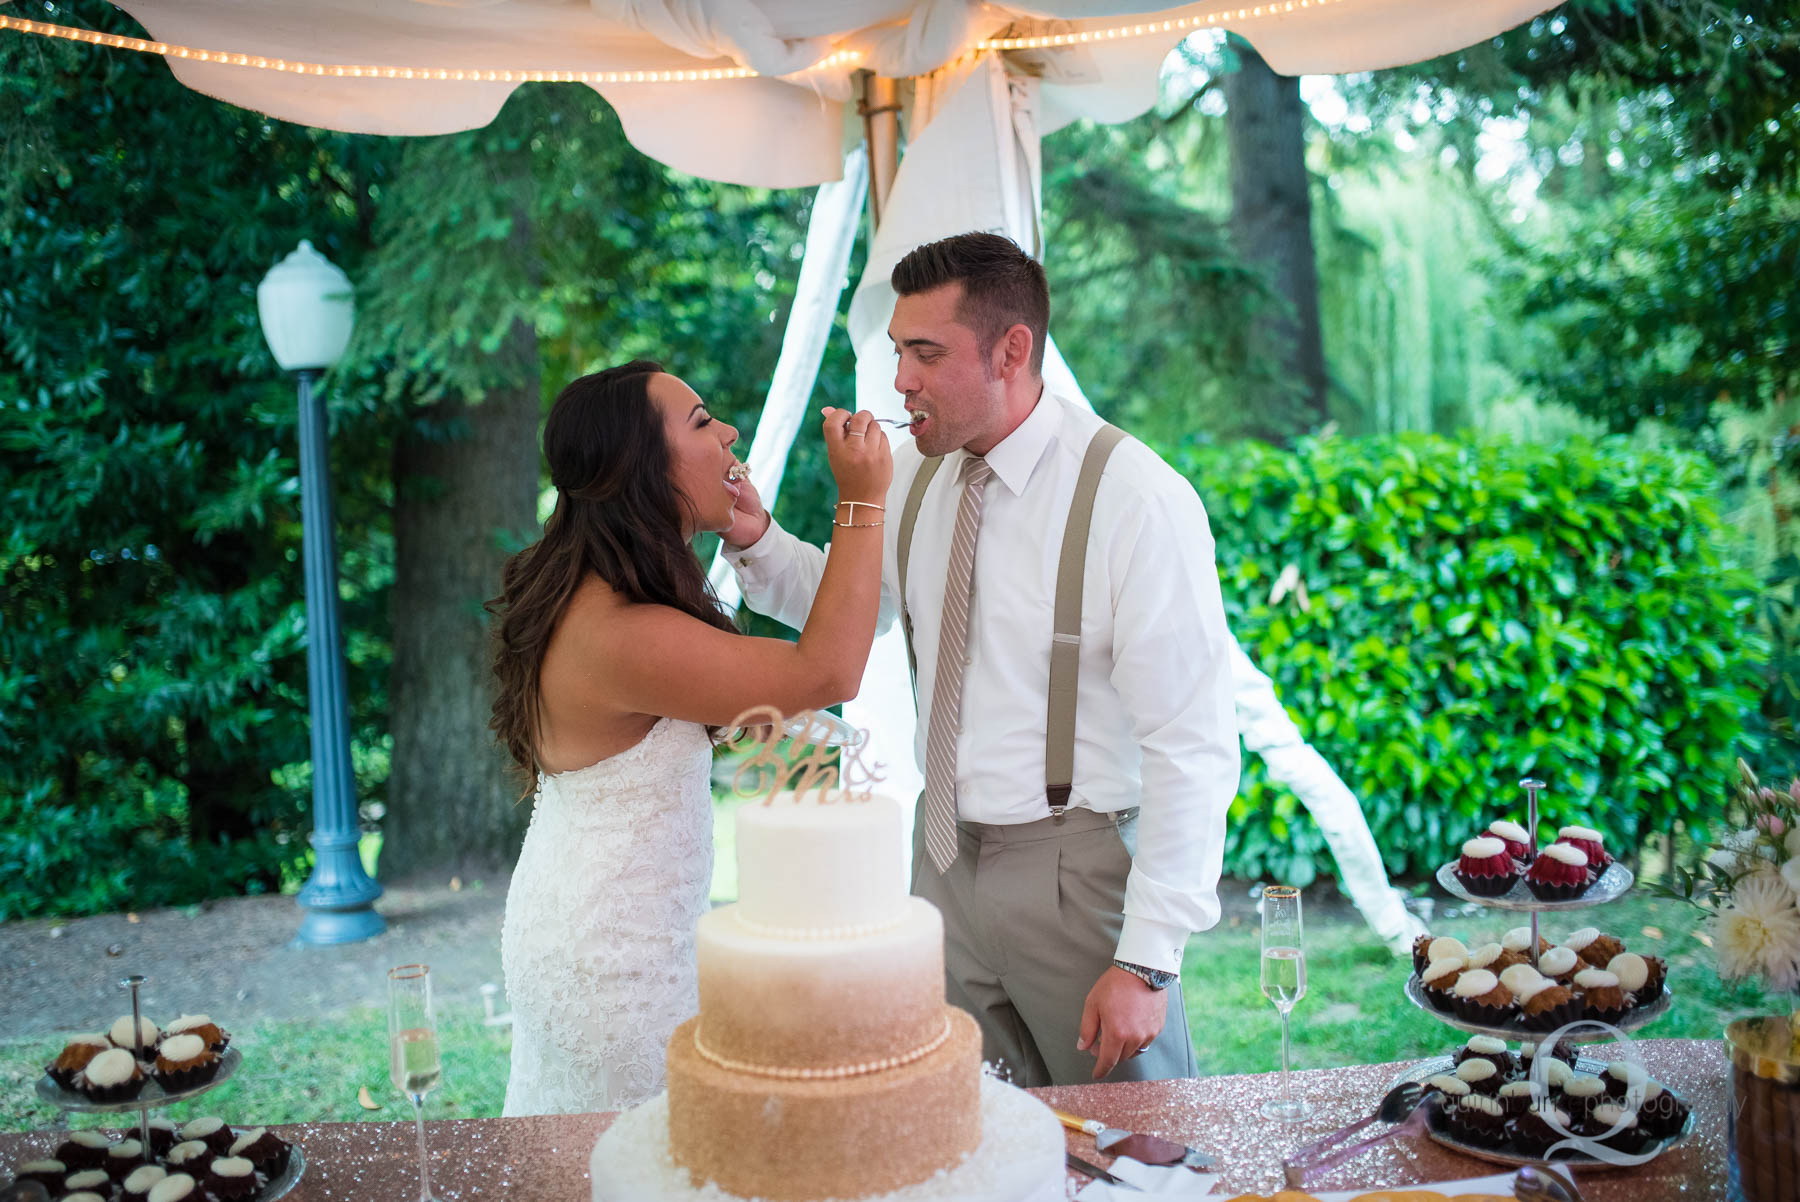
column 848, row 931
column 836, row 1072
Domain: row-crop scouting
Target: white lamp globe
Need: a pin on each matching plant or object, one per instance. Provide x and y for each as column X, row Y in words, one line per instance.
column 306, row 309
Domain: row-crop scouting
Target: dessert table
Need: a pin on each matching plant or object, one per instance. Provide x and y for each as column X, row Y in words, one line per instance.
column 546, row 1158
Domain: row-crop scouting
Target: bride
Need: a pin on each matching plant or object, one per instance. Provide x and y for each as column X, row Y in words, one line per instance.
column 615, row 665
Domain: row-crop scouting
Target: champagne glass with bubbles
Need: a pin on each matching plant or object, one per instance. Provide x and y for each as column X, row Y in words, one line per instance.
column 1284, row 983
column 413, row 1049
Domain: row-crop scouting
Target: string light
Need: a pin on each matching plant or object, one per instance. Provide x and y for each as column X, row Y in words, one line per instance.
column 838, row 60
column 841, row 59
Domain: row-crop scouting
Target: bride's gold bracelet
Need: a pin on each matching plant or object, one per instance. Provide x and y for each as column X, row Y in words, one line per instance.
column 853, row 523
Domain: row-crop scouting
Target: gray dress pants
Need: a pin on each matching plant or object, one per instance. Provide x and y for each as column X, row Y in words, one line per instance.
column 1032, row 915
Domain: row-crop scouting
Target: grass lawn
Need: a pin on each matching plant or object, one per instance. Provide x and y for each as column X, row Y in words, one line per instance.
column 1353, row 1013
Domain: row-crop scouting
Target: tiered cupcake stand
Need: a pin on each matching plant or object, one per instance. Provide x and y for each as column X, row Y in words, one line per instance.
column 154, row 1097
column 1613, row 884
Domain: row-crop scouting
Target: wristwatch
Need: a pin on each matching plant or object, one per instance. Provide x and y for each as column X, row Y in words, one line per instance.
column 1155, row 978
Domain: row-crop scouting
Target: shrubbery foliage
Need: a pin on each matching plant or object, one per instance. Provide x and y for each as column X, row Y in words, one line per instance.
column 1443, row 618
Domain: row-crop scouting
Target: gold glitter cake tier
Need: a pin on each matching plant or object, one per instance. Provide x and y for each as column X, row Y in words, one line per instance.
column 800, row 1002
column 802, row 1140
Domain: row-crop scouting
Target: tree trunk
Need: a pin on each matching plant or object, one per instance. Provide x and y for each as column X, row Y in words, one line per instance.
column 1271, row 221
column 465, row 483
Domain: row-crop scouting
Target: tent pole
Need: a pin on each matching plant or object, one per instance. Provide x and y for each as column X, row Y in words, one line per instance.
column 880, row 111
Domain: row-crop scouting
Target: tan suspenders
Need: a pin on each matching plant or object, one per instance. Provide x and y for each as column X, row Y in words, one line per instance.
column 1065, row 646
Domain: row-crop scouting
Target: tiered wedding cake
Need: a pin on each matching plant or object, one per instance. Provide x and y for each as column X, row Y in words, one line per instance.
column 824, row 1062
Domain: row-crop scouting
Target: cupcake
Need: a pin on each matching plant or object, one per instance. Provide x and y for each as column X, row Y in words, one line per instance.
column 1560, row 964
column 1640, row 976
column 1445, row 947
column 1603, row 999
column 137, row 1187
column 84, row 1149
column 162, row 1137
column 1534, row 1132
column 1581, row 1093
column 1559, row 874
column 1420, row 959
column 1593, row 947
column 199, row 1024
column 1517, row 1097
column 176, row 1187
column 1622, row 1078
column 125, row 1156
column 120, row 1034
column 262, row 1148
column 1481, row 1075
column 231, row 1178
column 1479, row 1119
column 184, row 1061
column 1557, row 1075
column 112, row 1076
column 1563, row 1051
column 1590, row 843
column 1439, row 981
column 1453, row 1089
column 1662, row 1115
column 97, row 1181
column 1519, row 940
column 189, row 1156
column 1617, row 1128
column 1520, row 978
column 1548, row 1005
column 212, row 1132
column 1486, row 1047
column 1516, row 838
column 1485, row 869
column 74, row 1057
column 48, row 1173
column 1479, row 997
column 1485, row 957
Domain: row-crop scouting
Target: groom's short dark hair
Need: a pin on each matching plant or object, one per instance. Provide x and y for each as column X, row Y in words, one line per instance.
column 1002, row 286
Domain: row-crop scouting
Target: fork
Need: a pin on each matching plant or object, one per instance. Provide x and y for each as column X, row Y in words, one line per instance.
column 1299, row 1176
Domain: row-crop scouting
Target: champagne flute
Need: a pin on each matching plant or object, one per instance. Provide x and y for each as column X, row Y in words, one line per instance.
column 413, row 1049
column 1284, row 983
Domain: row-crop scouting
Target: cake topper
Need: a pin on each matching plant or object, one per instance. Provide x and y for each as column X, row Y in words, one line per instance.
column 815, row 735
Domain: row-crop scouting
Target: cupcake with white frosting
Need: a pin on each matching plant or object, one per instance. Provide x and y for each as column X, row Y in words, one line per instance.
column 112, row 1076
column 1560, row 873
column 144, row 1047
column 137, row 1187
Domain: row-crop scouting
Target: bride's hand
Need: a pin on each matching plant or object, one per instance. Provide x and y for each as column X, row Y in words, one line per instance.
column 861, row 461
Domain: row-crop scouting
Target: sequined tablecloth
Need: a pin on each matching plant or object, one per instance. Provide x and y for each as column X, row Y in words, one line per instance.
column 546, row 1158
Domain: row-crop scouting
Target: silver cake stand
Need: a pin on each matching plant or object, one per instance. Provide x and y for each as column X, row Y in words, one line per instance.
column 154, row 1097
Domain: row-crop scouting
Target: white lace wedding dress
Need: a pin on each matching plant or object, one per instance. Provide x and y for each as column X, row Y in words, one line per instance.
column 598, row 940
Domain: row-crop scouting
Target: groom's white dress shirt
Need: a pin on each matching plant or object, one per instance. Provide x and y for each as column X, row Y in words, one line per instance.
column 1155, row 725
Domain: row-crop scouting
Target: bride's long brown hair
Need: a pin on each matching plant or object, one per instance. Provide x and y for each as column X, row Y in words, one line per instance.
column 618, row 515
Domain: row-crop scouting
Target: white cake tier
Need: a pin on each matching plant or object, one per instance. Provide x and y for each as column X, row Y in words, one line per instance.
column 818, row 1004
column 1019, row 1159
column 831, row 869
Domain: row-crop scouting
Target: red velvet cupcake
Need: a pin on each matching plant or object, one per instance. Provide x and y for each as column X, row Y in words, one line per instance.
column 1485, row 869
column 1590, row 843
column 1560, row 873
column 1517, row 839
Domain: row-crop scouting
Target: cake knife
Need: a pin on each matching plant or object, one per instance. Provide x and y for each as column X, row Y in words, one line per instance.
column 1146, row 1149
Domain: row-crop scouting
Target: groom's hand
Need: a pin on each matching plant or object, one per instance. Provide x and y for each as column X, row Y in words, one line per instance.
column 1122, row 1017
column 749, row 520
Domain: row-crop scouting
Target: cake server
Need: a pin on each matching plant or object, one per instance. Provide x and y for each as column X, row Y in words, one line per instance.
column 1099, row 1174
column 1146, row 1149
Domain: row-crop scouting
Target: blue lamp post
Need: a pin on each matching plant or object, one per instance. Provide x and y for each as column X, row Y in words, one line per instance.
column 307, row 315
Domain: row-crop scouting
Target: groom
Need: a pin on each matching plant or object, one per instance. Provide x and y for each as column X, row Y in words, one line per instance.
column 1073, row 820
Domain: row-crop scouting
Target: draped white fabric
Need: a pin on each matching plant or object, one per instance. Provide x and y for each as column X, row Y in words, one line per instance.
column 785, row 128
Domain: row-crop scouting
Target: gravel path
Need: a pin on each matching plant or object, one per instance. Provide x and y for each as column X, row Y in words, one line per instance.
column 238, row 957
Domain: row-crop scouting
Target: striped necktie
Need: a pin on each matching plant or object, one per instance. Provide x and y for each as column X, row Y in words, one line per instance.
column 946, row 688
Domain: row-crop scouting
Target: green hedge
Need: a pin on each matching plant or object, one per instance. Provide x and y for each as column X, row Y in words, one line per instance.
column 1457, row 615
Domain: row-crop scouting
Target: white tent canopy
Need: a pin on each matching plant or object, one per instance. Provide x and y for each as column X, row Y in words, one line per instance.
column 785, row 127
column 988, row 83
